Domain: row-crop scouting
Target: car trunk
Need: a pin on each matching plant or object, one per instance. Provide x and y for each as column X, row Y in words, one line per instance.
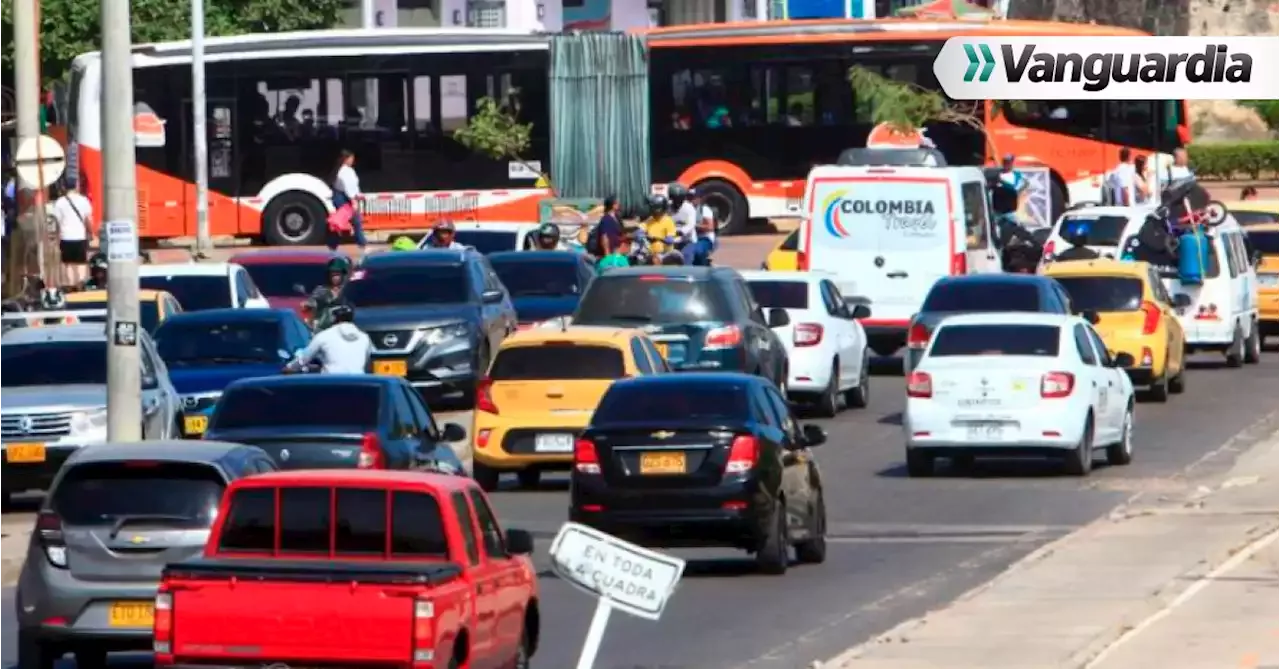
column 539, row 398
column 649, row 457
column 979, row 387
column 555, row 377
column 295, row 447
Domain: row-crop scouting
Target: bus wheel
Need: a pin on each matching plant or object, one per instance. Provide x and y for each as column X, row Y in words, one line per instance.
column 727, row 201
column 1057, row 200
column 294, row 219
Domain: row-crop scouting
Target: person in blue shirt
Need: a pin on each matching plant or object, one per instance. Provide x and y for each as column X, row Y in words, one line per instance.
column 1010, row 187
column 608, row 232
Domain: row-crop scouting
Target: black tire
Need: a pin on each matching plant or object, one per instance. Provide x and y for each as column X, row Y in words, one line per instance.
column 729, row 204
column 1178, row 383
column 860, row 396
column 828, row 404
column 1235, row 354
column 522, row 659
column 32, row 654
column 6, row 502
column 90, row 658
column 814, row 549
column 774, row 555
column 529, row 477
column 919, row 464
column 486, row 477
column 1121, row 452
column 1253, row 345
column 294, row 218
column 1057, row 199
column 1079, row 462
column 1159, row 391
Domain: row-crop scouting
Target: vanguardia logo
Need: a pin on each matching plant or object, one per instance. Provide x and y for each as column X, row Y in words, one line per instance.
column 1096, row 71
column 987, row 63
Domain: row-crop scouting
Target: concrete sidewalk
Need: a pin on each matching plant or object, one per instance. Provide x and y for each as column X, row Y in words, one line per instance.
column 1187, row 583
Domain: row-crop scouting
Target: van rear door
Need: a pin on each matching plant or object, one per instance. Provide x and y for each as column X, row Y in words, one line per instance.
column 885, row 233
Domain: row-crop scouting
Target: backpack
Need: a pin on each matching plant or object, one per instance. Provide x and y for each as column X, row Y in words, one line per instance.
column 593, row 241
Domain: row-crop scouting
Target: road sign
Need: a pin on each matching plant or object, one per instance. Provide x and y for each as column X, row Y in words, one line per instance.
column 39, row 161
column 634, row 579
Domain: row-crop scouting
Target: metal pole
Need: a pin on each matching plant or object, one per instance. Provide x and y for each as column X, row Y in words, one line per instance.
column 367, row 14
column 26, row 54
column 201, row 137
column 120, row 230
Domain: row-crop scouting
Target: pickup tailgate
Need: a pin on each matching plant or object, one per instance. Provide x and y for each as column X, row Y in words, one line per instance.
column 305, row 611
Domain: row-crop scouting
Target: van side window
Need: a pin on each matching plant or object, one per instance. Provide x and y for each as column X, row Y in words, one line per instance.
column 976, row 224
column 1085, row 347
column 251, row 522
column 360, row 526
column 1228, row 242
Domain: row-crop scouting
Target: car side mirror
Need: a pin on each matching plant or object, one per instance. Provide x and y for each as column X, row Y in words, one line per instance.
column 813, row 435
column 778, row 317
column 1122, row 360
column 452, row 432
column 1182, row 300
column 519, row 542
column 491, row 296
column 859, row 312
column 857, row 306
column 1091, row 316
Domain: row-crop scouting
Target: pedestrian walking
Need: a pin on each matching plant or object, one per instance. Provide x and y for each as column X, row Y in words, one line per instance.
column 346, row 191
column 72, row 213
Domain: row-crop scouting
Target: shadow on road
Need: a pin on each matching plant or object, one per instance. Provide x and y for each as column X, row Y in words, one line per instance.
column 990, row 468
column 894, row 418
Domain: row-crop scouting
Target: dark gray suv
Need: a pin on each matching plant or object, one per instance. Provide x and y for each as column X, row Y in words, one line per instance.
column 116, row 514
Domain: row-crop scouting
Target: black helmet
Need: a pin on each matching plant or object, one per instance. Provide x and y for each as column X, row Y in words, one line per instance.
column 550, row 230
column 98, row 261
column 342, row 313
column 677, row 192
column 338, row 265
column 657, row 203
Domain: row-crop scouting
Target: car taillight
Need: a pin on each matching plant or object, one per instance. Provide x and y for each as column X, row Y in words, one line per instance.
column 920, row 385
column 482, row 438
column 744, row 452
column 162, row 626
column 1056, row 385
column 725, row 337
column 807, row 334
column 49, row 529
column 484, row 396
column 370, row 453
column 585, row 458
column 1150, row 318
column 1048, row 251
column 959, row 265
column 424, row 632
column 918, row 336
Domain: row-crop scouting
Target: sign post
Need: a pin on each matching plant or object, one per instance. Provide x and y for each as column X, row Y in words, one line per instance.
column 619, row 574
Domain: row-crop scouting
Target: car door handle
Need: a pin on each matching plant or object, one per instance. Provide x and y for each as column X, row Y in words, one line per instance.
column 897, row 275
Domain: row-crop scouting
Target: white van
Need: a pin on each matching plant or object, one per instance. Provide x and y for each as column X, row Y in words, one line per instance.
column 1222, row 314
column 1105, row 226
column 888, row 233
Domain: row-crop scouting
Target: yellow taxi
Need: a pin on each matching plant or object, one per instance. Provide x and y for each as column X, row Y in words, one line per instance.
column 541, row 390
column 784, row 257
column 1261, row 222
column 153, row 305
column 1134, row 314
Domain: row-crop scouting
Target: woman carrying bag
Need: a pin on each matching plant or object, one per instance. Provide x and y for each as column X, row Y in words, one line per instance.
column 346, row 209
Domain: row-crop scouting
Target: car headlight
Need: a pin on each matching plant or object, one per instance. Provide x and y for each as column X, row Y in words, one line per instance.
column 446, row 333
column 92, row 420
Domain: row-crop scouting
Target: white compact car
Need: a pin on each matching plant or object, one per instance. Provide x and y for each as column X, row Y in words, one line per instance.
column 1018, row 384
column 826, row 346
column 200, row 286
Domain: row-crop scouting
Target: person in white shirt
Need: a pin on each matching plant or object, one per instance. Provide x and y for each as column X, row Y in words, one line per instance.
column 341, row 348
column 686, row 219
column 72, row 213
column 1121, row 182
column 346, row 188
column 1180, row 169
column 706, row 242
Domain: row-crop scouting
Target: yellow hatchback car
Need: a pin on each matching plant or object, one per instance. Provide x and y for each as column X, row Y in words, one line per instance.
column 541, row 390
column 1134, row 314
column 154, row 306
column 1261, row 222
column 785, row 257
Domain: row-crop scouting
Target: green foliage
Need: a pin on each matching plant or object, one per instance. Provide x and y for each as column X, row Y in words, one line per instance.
column 903, row 105
column 495, row 132
column 71, row 27
column 1268, row 110
column 1234, row 160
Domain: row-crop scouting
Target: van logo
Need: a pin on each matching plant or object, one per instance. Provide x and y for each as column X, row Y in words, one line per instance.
column 831, row 211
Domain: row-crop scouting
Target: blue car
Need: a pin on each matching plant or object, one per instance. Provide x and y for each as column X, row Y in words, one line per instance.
column 206, row 351
column 543, row 284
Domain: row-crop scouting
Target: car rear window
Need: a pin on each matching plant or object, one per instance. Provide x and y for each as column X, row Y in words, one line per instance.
column 646, row 402
column 1255, row 217
column 399, row 286
column 166, row 493
column 182, row 342
column 1103, row 293
column 1264, row 241
column 558, row 361
column 283, row 279
column 538, row 278
column 1098, row 230
column 54, row 364
column 194, row 293
column 358, row 524
column 148, row 313
column 780, row 294
column 1034, row 340
column 486, row 241
column 351, row 405
column 1167, row 265
column 982, row 296
column 657, row 298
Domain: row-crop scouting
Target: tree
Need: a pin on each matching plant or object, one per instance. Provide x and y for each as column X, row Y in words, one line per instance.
column 70, row 27
column 495, row 132
column 1267, row 110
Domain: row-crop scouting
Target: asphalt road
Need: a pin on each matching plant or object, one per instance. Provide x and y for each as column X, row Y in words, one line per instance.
column 899, row 546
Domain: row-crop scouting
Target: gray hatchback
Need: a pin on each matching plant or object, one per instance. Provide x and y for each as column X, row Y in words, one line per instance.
column 115, row 515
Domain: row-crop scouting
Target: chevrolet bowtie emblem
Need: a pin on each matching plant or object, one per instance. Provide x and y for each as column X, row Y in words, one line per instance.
column 663, row 434
column 138, row 539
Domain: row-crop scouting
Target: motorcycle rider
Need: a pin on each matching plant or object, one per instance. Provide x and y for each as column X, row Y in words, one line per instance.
column 547, row 238
column 323, row 298
column 1077, row 236
column 659, row 230
column 97, row 273
column 442, row 237
column 341, row 348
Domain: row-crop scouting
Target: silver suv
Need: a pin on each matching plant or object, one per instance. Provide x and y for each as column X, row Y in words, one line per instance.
column 116, row 514
column 53, row 399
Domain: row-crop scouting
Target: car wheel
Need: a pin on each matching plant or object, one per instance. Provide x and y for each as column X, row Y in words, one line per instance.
column 32, row 654
column 829, row 402
column 1159, row 391
column 522, row 652
column 1121, row 452
column 529, row 478
column 919, row 464
column 1178, row 384
column 1235, row 354
column 486, row 477
column 814, row 549
column 91, row 659
column 774, row 554
column 1080, row 460
column 860, row 396
column 6, row 502
column 1253, row 345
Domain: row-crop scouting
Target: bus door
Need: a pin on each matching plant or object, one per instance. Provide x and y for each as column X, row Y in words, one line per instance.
column 223, row 167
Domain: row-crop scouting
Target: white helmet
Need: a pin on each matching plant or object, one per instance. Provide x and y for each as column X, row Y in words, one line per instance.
column 52, row 299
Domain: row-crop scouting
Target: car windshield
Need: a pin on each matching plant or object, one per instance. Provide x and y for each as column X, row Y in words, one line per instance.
column 629, row 403
column 1264, row 241
column 348, row 405
column 982, row 296
column 283, row 279
column 194, row 293
column 148, row 312
column 404, row 286
column 1098, row 230
column 1033, row 340
column 54, row 363
column 538, row 278
column 1103, row 293
column 1255, row 217
column 486, row 241
column 557, row 361
column 143, row 492
column 780, row 294
column 621, row 300
column 184, row 342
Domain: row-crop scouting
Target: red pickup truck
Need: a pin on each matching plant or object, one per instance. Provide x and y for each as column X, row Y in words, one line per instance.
column 346, row 568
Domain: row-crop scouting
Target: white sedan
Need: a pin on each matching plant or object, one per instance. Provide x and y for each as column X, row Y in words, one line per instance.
column 1018, row 384
column 826, row 347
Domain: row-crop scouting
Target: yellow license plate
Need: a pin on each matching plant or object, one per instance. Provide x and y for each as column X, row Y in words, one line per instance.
column 662, row 349
column 195, row 424
column 24, row 453
column 667, row 462
column 131, row 614
column 390, row 367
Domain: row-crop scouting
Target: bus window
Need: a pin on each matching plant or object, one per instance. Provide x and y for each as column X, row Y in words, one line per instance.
column 453, row 102
column 1068, row 117
column 422, row 118
column 1132, row 123
column 798, row 95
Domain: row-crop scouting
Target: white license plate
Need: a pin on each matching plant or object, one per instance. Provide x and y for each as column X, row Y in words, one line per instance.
column 985, row 432
column 553, row 443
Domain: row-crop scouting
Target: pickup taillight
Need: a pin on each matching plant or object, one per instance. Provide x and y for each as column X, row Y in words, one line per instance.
column 424, row 633
column 162, row 630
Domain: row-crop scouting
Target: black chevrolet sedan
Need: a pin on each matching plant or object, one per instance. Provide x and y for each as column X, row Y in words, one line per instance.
column 701, row 460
